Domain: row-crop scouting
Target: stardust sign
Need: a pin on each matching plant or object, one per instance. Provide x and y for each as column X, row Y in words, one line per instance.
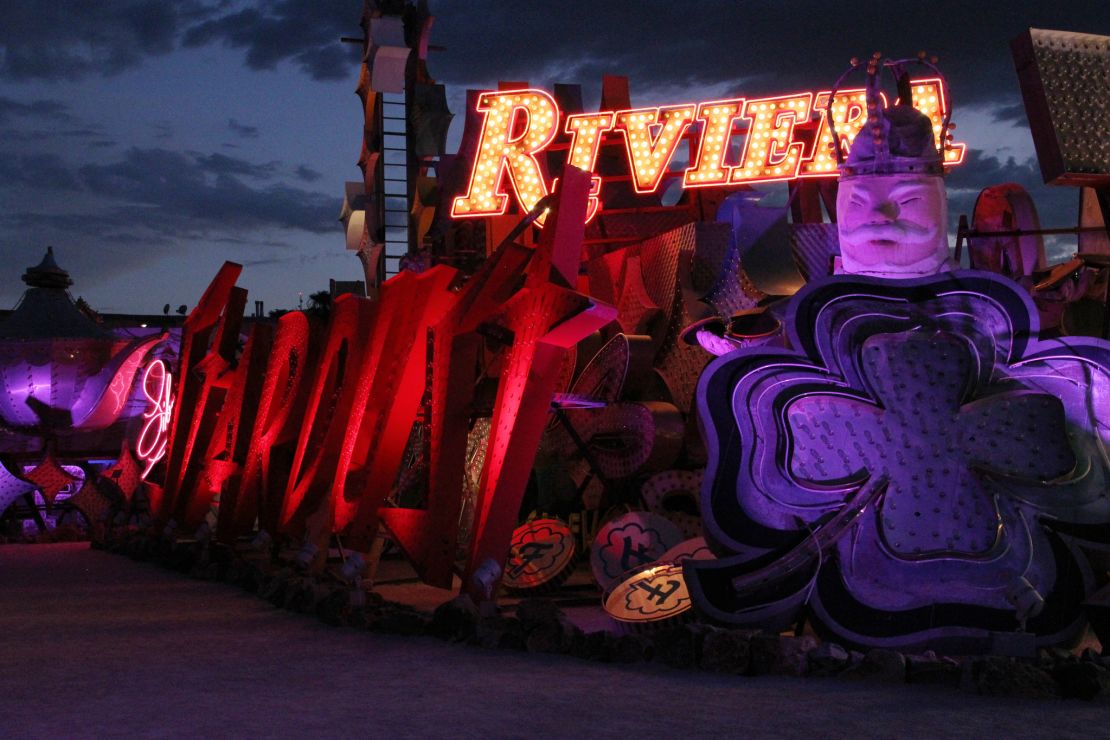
column 783, row 138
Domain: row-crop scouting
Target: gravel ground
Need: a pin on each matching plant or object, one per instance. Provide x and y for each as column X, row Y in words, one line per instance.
column 97, row 645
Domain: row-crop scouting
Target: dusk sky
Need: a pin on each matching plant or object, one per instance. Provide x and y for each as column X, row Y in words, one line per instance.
column 149, row 141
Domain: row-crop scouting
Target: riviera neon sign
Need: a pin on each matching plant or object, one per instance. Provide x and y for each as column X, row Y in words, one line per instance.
column 158, row 389
column 520, row 125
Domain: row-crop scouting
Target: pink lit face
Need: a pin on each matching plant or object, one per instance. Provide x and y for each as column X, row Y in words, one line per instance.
column 893, row 224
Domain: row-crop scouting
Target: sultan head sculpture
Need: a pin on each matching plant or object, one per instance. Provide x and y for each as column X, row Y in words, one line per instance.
column 892, row 210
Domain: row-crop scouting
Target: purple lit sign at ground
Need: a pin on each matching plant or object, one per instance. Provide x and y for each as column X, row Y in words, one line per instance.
column 920, row 470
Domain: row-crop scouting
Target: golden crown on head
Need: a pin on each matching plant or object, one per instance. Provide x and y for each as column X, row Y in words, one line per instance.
column 901, row 138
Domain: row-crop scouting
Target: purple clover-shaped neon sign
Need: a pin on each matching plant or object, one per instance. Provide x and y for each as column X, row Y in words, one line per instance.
column 919, row 471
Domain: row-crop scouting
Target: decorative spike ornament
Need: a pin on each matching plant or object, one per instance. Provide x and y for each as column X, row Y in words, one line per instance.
column 902, row 139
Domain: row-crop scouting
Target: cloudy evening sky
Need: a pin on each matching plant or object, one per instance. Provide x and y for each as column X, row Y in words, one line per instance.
column 148, row 141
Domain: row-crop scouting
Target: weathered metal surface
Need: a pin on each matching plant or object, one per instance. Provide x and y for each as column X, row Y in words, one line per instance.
column 1063, row 78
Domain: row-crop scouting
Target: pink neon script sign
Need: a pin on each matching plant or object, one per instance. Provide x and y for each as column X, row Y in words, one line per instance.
column 158, row 389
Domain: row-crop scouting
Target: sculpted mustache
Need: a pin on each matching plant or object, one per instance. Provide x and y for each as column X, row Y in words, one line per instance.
column 889, row 231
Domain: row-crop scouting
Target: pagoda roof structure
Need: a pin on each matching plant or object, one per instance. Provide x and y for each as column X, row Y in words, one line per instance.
column 46, row 310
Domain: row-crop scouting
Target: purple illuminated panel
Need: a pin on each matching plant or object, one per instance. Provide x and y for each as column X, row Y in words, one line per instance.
column 918, row 471
column 68, row 384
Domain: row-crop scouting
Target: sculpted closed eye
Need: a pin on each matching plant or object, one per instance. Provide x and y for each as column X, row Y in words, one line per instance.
column 907, row 201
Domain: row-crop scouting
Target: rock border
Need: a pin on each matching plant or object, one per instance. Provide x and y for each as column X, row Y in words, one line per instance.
column 539, row 626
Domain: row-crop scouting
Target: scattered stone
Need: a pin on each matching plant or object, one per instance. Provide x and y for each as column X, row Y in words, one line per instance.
column 879, row 664
column 596, row 646
column 997, row 676
column 544, row 640
column 303, row 596
column 540, row 627
column 362, row 619
column 265, row 578
column 236, row 572
column 792, row 655
column 764, row 651
column 552, row 637
column 1090, row 654
column 534, row 613
column 455, row 619
column 207, row 566
column 333, row 608
column 546, row 628
column 397, row 619
column 828, row 659
column 274, row 589
column 680, row 647
column 139, row 548
column 1082, row 679
column 1051, row 655
column 726, row 651
column 174, row 558
column 208, row 571
column 632, row 648
column 498, row 632
column 928, row 669
column 254, row 577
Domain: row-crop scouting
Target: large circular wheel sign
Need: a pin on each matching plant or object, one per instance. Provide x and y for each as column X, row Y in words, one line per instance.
column 541, row 555
column 651, row 596
column 629, row 543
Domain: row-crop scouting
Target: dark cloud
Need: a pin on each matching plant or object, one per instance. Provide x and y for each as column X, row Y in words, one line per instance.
column 222, row 164
column 179, row 190
column 32, row 135
column 247, row 132
column 44, row 171
column 304, row 32
column 1014, row 113
column 76, row 227
column 657, row 43
column 88, row 132
column 306, row 173
column 1056, row 206
column 978, row 168
column 70, row 40
column 330, row 62
column 26, row 117
column 744, row 47
column 51, row 110
column 163, row 130
column 60, row 41
column 173, row 193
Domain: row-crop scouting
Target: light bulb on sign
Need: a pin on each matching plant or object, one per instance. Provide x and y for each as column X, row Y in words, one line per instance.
column 518, row 125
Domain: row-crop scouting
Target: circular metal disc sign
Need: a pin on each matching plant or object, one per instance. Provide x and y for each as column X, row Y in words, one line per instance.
column 542, row 551
column 692, row 549
column 628, row 543
column 652, row 595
